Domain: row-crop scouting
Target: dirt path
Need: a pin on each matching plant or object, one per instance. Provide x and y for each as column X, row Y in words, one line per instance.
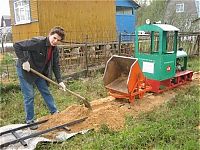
column 108, row 111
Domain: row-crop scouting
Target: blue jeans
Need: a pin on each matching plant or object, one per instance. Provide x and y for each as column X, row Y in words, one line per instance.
column 28, row 94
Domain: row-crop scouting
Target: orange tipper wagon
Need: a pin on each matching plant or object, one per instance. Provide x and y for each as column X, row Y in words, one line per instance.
column 124, row 78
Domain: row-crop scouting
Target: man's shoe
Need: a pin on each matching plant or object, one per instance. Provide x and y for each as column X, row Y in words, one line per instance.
column 55, row 112
column 33, row 127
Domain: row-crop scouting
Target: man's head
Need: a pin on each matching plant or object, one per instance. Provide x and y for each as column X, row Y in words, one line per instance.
column 56, row 34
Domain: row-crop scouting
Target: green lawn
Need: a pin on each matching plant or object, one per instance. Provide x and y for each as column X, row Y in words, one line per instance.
column 174, row 125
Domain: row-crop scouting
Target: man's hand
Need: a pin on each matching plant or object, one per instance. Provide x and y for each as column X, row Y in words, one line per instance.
column 26, row 66
column 63, row 86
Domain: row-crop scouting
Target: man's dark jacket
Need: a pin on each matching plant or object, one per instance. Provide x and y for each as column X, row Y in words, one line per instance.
column 35, row 52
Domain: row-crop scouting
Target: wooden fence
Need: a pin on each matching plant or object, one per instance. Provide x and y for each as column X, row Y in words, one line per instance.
column 83, row 56
column 76, row 57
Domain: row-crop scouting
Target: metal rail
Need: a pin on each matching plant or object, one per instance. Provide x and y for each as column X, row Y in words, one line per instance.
column 20, row 139
column 23, row 127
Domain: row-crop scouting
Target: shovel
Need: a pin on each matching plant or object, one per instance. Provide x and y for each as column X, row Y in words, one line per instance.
column 84, row 100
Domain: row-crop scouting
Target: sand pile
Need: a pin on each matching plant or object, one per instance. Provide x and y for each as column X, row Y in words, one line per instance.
column 106, row 111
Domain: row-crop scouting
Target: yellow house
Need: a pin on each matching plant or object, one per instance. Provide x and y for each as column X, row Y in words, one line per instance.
column 83, row 20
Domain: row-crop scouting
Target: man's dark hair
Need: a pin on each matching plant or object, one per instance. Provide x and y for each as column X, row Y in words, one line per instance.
column 58, row 30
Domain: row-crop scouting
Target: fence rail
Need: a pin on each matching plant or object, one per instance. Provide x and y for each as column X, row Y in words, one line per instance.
column 75, row 56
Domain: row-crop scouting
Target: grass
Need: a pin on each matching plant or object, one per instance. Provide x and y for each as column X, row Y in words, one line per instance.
column 12, row 99
column 194, row 63
column 171, row 126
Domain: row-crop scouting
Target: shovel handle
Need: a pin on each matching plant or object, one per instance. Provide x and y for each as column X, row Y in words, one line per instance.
column 44, row 77
column 53, row 82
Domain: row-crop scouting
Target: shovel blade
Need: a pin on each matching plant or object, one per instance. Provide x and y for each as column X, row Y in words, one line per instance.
column 87, row 104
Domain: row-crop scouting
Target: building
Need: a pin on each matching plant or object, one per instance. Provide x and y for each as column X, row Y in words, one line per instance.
column 182, row 13
column 5, row 21
column 5, row 29
column 125, row 16
column 84, row 21
column 5, row 25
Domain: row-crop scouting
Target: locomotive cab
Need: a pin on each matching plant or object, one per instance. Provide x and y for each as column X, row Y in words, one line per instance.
column 157, row 50
column 161, row 63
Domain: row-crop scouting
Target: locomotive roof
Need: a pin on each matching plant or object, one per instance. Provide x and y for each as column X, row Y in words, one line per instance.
column 167, row 27
column 157, row 27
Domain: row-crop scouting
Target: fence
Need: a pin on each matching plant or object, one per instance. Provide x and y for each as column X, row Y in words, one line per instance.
column 190, row 42
column 75, row 57
column 7, row 68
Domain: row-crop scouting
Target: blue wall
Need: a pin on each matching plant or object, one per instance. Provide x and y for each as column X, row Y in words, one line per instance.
column 125, row 23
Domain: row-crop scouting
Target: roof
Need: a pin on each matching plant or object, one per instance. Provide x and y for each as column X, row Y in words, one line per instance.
column 167, row 27
column 157, row 27
column 136, row 4
column 125, row 3
column 196, row 20
column 6, row 19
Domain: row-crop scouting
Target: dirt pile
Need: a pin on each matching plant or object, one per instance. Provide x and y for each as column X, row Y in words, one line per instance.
column 107, row 111
column 104, row 111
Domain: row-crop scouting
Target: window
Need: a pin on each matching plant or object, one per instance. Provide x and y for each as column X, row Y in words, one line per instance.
column 180, row 8
column 22, row 11
column 124, row 10
column 148, row 42
column 170, row 42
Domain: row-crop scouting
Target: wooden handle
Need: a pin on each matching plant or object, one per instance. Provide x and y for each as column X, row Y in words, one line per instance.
column 44, row 77
column 85, row 101
column 53, row 82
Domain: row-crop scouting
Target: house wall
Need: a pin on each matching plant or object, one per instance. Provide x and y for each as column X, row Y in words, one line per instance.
column 25, row 31
column 125, row 22
column 181, row 20
column 11, row 12
column 34, row 10
column 94, row 19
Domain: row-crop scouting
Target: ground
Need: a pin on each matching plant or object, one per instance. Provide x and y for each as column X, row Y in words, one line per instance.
column 109, row 111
